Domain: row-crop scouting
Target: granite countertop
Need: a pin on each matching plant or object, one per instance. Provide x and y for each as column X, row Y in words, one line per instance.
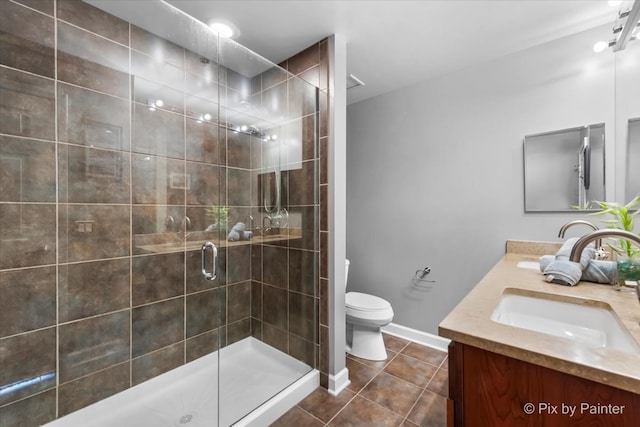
column 470, row 321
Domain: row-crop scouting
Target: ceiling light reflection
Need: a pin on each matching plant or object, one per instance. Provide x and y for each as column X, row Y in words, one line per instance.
column 600, row 46
column 223, row 30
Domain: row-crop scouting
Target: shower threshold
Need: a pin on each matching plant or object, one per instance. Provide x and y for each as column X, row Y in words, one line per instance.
column 258, row 383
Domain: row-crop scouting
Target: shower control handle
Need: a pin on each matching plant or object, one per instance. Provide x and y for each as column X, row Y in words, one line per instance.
column 214, row 252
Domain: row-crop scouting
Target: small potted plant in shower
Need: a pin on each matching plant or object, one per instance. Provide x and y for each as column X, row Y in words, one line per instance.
column 218, row 217
column 627, row 253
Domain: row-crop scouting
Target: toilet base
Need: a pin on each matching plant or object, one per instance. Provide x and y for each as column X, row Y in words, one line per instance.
column 366, row 342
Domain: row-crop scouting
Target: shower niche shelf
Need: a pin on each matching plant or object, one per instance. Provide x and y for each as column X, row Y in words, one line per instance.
column 160, row 243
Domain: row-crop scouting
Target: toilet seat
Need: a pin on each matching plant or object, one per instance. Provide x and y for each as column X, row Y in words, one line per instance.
column 365, row 309
column 365, row 302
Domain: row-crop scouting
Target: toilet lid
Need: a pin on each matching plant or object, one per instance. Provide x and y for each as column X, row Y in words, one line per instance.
column 361, row 301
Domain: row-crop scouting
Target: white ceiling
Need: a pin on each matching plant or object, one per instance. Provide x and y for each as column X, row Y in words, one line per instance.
column 393, row 44
column 390, row 43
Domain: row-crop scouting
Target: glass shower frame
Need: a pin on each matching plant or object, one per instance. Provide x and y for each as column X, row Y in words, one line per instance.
column 171, row 199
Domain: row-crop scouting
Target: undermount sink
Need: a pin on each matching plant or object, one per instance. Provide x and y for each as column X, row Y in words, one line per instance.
column 582, row 322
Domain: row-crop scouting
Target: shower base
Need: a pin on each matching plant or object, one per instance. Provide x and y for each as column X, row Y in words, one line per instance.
column 251, row 372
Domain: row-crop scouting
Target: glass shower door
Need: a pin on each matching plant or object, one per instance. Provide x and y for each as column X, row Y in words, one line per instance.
column 248, row 174
column 178, row 157
column 270, row 117
column 206, row 208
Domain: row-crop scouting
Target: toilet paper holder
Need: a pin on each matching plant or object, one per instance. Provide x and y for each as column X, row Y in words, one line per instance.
column 421, row 274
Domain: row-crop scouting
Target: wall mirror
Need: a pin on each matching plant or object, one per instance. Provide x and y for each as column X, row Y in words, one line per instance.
column 579, row 86
column 564, row 169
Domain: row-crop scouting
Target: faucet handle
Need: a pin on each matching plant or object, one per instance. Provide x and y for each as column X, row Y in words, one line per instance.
column 186, row 223
column 169, row 223
column 601, row 253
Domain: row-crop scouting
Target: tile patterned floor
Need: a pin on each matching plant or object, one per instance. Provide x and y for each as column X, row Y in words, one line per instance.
column 408, row 389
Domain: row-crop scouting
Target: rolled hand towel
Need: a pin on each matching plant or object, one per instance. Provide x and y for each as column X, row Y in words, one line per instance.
column 565, row 272
column 587, row 254
column 601, row 272
column 545, row 260
column 236, row 232
column 596, row 271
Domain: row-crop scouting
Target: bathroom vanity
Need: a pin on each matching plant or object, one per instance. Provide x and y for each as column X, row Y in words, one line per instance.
column 532, row 375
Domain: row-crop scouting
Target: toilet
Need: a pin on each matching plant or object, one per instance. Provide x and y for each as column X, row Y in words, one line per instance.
column 366, row 315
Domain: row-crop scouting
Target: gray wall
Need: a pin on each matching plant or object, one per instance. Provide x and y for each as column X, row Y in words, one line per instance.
column 435, row 170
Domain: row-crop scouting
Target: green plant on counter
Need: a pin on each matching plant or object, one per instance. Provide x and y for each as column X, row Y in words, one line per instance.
column 218, row 215
column 623, row 220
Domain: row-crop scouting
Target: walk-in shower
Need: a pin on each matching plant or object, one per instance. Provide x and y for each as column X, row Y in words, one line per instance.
column 133, row 141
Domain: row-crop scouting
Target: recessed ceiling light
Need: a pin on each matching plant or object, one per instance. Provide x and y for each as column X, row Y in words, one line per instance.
column 600, row 46
column 223, row 29
column 614, row 3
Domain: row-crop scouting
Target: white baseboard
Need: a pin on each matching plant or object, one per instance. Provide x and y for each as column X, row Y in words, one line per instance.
column 414, row 335
column 338, row 382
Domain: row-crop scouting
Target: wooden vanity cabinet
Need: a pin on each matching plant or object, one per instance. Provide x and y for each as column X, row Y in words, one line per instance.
column 491, row 390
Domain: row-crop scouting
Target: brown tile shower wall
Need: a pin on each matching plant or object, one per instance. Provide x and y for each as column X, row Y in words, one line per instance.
column 100, row 174
column 312, row 65
column 284, row 289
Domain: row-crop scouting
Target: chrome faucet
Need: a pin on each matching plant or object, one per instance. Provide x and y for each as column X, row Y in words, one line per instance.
column 185, row 226
column 582, row 242
column 251, row 221
column 169, row 223
column 266, row 229
column 263, row 229
column 570, row 224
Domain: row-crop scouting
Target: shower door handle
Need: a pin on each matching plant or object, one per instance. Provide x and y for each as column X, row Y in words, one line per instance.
column 214, row 252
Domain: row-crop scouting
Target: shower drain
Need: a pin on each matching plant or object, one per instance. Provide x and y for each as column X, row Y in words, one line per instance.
column 185, row 419
column 190, row 418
